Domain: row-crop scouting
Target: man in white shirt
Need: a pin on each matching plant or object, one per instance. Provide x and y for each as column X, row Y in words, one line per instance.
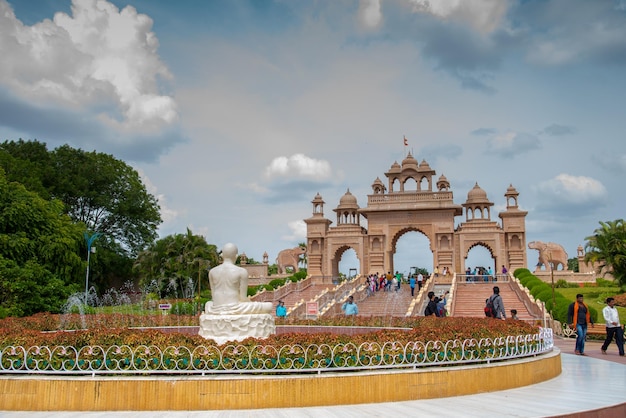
column 613, row 327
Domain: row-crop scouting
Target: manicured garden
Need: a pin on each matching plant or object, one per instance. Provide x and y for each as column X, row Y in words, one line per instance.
column 35, row 344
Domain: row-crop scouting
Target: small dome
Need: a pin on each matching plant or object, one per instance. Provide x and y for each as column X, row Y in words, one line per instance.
column 378, row 187
column 378, row 182
column 424, row 166
column 443, row 183
column 477, row 195
column 511, row 191
column 395, row 168
column 348, row 201
column 409, row 162
column 317, row 199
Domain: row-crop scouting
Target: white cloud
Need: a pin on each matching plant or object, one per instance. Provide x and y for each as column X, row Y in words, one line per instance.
column 482, row 15
column 510, row 144
column 298, row 231
column 370, row 14
column 298, row 166
column 99, row 57
column 572, row 192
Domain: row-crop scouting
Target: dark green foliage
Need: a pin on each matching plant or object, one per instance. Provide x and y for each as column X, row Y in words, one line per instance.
column 184, row 308
column 607, row 247
column 300, row 275
column 104, row 193
column 170, row 262
column 276, row 283
column 39, row 245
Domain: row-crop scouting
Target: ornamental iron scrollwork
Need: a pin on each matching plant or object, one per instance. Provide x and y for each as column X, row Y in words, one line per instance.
column 295, row 358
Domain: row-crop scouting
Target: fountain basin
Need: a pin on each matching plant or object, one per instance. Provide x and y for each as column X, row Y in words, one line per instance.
column 229, row 392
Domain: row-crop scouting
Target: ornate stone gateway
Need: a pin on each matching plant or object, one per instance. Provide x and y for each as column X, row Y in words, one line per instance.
column 411, row 201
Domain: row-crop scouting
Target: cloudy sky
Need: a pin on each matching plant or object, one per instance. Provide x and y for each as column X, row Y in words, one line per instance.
column 238, row 112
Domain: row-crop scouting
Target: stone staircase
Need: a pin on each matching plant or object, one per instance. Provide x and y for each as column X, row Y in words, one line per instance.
column 389, row 303
column 469, row 300
column 307, row 294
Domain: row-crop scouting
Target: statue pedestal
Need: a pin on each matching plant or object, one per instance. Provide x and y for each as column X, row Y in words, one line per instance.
column 223, row 328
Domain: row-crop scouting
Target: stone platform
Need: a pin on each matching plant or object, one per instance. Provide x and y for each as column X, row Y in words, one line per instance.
column 223, row 328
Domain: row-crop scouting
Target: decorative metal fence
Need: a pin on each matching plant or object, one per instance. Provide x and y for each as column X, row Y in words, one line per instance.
column 295, row 358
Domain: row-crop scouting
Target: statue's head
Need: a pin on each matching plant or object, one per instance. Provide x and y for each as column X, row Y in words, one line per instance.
column 229, row 252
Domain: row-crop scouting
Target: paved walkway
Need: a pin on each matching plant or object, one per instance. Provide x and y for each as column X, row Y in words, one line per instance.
column 587, row 383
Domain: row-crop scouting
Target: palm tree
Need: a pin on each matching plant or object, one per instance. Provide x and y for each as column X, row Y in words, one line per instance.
column 303, row 258
column 177, row 259
column 607, row 247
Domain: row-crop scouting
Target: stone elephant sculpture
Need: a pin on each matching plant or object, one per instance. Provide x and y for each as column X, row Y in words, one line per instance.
column 289, row 258
column 549, row 252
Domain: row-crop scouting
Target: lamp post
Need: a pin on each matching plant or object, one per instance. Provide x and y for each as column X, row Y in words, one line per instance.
column 552, row 279
column 89, row 239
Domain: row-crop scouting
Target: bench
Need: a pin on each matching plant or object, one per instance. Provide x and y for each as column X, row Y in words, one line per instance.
column 597, row 330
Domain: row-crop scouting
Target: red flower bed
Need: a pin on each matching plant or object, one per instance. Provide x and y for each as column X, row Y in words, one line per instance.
column 113, row 329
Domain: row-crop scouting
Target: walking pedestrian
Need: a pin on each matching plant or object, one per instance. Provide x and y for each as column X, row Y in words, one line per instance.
column 613, row 327
column 578, row 316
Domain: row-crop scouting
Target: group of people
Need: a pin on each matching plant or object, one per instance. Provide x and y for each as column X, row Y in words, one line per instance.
column 385, row 282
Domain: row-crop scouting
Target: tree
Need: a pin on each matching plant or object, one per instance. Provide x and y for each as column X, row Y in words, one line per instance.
column 28, row 163
column 99, row 192
column 107, row 195
column 572, row 264
column 607, row 247
column 174, row 262
column 40, row 264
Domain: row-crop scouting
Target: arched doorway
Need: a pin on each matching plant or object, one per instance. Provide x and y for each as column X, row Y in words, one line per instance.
column 412, row 249
column 347, row 262
column 479, row 255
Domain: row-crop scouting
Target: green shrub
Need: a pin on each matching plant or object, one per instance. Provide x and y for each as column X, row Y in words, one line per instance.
column 300, row 275
column 606, row 283
column 184, row 308
column 3, row 312
column 276, row 283
column 564, row 284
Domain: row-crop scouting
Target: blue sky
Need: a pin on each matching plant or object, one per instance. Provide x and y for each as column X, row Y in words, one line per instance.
column 238, row 112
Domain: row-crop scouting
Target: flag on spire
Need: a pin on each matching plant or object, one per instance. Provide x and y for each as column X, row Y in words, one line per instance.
column 406, row 142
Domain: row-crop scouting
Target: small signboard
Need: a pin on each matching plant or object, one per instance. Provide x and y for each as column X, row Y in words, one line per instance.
column 312, row 309
column 165, row 306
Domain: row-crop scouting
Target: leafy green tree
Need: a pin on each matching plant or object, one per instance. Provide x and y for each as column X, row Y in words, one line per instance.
column 175, row 261
column 572, row 264
column 39, row 261
column 28, row 163
column 607, row 247
column 107, row 195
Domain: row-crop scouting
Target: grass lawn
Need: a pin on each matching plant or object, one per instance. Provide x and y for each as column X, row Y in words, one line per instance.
column 595, row 297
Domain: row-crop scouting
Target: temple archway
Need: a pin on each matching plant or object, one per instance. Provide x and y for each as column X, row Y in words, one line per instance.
column 412, row 201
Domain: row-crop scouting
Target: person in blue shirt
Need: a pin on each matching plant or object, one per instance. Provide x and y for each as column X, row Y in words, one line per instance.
column 412, row 284
column 281, row 311
column 349, row 307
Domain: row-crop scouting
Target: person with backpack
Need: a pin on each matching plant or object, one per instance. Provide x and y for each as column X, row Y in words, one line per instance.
column 431, row 308
column 495, row 305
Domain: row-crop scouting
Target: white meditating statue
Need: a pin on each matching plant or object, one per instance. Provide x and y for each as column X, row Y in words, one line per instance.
column 230, row 316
